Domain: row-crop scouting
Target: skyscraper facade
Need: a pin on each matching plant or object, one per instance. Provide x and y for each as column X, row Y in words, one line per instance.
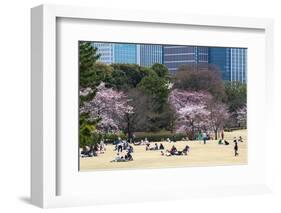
column 125, row 53
column 149, row 54
column 220, row 57
column 201, row 54
column 238, row 66
column 106, row 51
column 232, row 62
column 176, row 56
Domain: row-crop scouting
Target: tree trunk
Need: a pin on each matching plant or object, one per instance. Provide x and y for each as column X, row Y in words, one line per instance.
column 216, row 134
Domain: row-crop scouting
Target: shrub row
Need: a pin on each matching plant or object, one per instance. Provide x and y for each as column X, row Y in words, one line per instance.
column 230, row 129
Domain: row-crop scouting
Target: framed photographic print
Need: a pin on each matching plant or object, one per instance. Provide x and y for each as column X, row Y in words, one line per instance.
column 148, row 104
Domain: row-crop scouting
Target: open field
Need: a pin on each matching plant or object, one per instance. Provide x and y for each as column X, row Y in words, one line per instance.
column 210, row 154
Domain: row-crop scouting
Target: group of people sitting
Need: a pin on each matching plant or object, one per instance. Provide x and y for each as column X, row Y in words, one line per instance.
column 156, row 147
column 142, row 142
column 174, row 151
column 120, row 146
column 225, row 142
column 93, row 150
column 125, row 158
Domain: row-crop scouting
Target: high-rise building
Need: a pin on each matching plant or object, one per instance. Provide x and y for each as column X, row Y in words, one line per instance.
column 232, row 62
column 149, row 54
column 176, row 56
column 220, row 57
column 125, row 53
column 106, row 51
column 238, row 64
column 201, row 55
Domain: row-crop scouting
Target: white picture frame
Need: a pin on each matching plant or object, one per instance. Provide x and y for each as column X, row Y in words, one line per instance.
column 44, row 149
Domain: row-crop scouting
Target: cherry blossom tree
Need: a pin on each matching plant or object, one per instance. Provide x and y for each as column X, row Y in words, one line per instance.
column 108, row 106
column 191, row 108
column 198, row 110
column 218, row 115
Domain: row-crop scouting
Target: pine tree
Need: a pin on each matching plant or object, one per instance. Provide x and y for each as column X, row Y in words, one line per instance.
column 87, row 59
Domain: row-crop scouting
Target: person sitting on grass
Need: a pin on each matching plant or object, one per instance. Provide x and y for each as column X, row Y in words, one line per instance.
column 130, row 149
column 162, row 153
column 118, row 158
column 128, row 157
column 155, row 147
column 152, row 148
column 240, row 139
column 174, row 150
column 185, row 150
column 226, row 143
column 147, row 147
column 221, row 141
column 168, row 153
column 146, row 141
column 161, row 147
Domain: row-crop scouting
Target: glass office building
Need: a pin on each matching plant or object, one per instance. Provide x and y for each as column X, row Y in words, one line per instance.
column 220, row 57
column 238, row 65
column 176, row 56
column 201, row 55
column 149, row 54
column 125, row 53
column 232, row 62
column 106, row 51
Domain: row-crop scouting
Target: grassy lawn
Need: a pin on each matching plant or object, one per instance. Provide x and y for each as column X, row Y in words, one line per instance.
column 210, row 154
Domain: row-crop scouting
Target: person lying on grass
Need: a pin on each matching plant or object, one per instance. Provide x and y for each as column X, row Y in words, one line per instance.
column 174, row 151
column 223, row 142
column 127, row 157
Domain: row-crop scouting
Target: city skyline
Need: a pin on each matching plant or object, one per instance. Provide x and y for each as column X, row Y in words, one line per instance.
column 232, row 62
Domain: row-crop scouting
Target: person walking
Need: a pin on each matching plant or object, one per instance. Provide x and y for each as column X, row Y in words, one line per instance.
column 204, row 135
column 235, row 148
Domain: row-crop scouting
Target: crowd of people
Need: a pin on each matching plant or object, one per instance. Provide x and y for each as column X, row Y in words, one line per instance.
column 120, row 147
column 124, row 148
column 94, row 150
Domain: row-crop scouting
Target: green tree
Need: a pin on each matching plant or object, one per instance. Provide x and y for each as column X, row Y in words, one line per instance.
column 87, row 59
column 126, row 76
column 157, row 87
column 236, row 95
column 86, row 131
column 161, row 70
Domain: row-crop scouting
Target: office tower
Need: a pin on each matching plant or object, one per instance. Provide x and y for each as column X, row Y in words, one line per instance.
column 125, row 53
column 238, row 70
column 201, row 55
column 232, row 62
column 149, row 54
column 176, row 56
column 220, row 57
column 106, row 51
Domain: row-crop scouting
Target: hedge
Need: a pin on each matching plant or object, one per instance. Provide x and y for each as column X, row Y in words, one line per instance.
column 230, row 129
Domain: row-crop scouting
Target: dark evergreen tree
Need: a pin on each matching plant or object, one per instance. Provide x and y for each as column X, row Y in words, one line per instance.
column 87, row 59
